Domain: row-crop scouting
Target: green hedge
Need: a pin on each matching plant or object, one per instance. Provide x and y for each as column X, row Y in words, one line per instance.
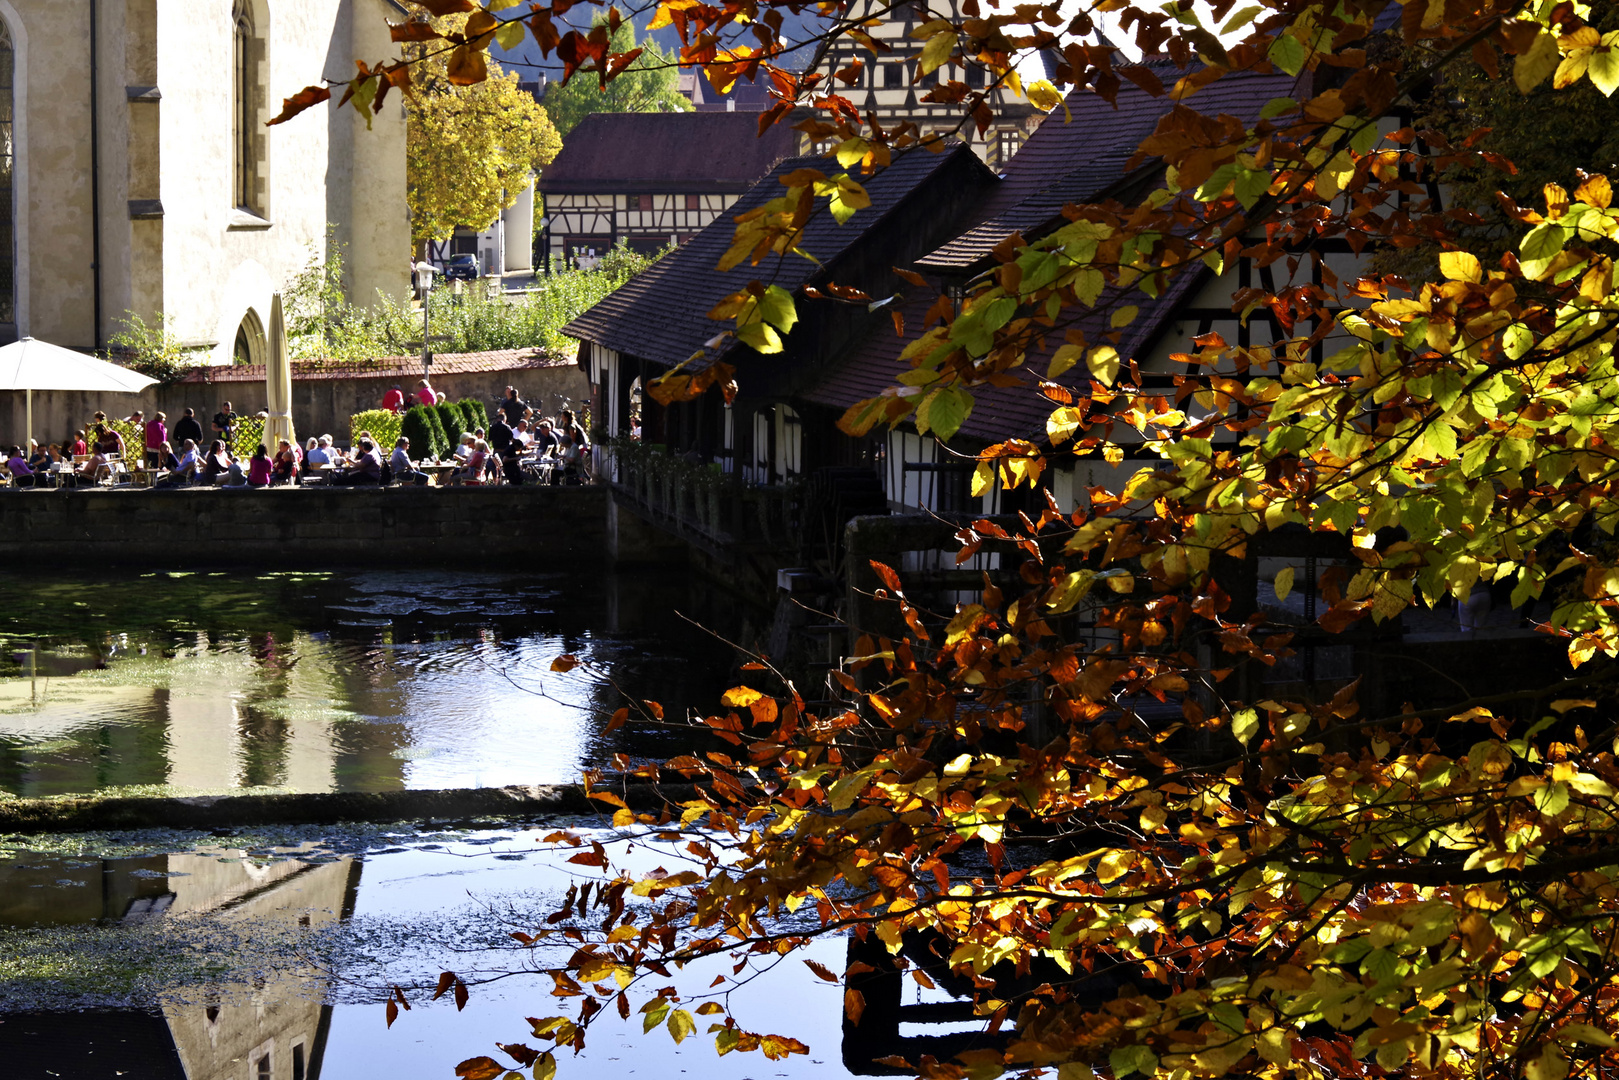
column 477, row 416
column 453, row 422
column 421, row 426
column 383, row 425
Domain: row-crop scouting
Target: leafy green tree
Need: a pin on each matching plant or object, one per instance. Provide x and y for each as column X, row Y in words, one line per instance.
column 471, row 149
column 651, row 83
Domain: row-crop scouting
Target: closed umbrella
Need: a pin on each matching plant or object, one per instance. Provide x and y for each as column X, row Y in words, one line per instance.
column 31, row 364
column 278, row 382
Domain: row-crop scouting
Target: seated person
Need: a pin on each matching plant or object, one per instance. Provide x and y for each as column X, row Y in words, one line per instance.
column 284, row 469
column 402, row 467
column 258, row 469
column 521, row 434
column 216, row 462
column 92, row 464
column 545, row 440
column 472, row 472
column 21, row 475
column 367, row 468
column 185, row 469
column 463, row 449
column 166, row 459
column 38, row 459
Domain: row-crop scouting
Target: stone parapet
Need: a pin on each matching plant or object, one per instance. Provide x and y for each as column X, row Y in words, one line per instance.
column 507, row 527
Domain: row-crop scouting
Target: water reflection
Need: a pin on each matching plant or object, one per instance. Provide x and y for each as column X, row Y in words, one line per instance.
column 275, row 956
column 266, row 1025
column 320, row 682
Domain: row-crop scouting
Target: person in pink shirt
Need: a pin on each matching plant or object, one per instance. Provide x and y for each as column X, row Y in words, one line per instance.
column 426, row 394
column 157, row 433
column 394, row 400
column 258, row 470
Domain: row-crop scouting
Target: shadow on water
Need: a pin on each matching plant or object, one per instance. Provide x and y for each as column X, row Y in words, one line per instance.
column 361, row 681
column 157, row 955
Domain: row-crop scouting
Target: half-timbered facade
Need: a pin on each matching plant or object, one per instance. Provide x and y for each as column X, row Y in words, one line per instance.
column 649, row 179
column 891, row 86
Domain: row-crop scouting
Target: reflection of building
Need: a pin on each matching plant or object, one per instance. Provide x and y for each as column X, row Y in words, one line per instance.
column 266, row 1029
column 650, row 179
column 137, row 173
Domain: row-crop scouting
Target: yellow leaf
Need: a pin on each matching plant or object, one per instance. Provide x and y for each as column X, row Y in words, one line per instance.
column 1114, row 865
column 1064, row 358
column 681, row 1024
column 1043, row 96
column 1104, row 363
column 1284, row 582
column 1537, row 62
column 1460, row 266
column 939, row 48
column 983, row 478
column 1069, row 591
column 962, row 626
column 740, row 697
column 1124, row 316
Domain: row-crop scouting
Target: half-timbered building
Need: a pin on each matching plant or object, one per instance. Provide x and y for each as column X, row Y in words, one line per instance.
column 892, row 87
column 650, row 179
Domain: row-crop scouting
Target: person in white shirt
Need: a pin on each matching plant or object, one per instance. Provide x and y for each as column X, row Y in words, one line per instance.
column 402, row 467
column 463, row 449
column 186, row 471
column 522, row 434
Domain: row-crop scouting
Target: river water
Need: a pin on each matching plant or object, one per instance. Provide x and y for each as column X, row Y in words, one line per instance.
column 358, row 681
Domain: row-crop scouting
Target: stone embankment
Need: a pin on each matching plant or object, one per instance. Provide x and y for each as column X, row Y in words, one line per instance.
column 95, row 813
column 306, row 528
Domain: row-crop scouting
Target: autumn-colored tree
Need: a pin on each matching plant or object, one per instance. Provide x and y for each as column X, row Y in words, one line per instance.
column 471, row 147
column 650, row 84
column 1185, row 878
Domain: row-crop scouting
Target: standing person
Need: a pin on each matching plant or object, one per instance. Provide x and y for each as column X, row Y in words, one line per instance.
column 157, row 437
column 426, row 395
column 574, row 447
column 185, row 428
column 394, row 401
column 402, row 467
column 77, row 447
column 108, row 441
column 225, row 424
column 500, row 434
column 511, row 407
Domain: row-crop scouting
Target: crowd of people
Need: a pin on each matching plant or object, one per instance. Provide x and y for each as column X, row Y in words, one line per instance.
column 520, row 446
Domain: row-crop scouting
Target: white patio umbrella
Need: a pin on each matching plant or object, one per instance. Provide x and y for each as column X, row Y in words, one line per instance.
column 278, row 382
column 31, row 364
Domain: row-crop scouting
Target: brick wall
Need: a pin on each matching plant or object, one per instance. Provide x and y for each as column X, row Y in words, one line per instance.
column 525, row 527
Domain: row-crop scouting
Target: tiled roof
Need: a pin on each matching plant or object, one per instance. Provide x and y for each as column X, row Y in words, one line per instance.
column 661, row 315
column 1002, row 412
column 665, row 152
column 1078, row 159
column 1062, row 162
column 385, row 367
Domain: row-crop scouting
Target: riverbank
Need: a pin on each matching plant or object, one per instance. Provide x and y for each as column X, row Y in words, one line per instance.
column 298, row 528
column 100, row 813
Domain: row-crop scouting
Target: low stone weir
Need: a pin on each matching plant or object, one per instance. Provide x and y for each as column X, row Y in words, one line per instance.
column 304, row 528
column 96, row 813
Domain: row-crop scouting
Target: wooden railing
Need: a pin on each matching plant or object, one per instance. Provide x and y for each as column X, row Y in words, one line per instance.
column 700, row 501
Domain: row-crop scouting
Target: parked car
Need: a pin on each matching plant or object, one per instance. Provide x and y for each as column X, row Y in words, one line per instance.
column 461, row 268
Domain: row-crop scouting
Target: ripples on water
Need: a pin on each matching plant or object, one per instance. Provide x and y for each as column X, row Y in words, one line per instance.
column 341, row 681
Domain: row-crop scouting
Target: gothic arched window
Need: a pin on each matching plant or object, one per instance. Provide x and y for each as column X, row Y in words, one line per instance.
column 244, row 112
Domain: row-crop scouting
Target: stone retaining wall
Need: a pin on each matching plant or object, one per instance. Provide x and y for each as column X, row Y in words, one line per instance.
column 299, row 528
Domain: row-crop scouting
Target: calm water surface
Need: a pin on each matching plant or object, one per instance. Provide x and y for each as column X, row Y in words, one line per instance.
column 200, row 957
column 364, row 681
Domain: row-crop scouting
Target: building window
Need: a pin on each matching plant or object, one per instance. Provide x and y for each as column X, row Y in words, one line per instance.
column 8, row 161
column 244, row 112
column 1006, row 145
column 975, row 75
column 637, row 202
column 893, row 75
column 694, row 202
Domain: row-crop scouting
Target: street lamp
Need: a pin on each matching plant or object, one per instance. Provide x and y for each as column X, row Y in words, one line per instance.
column 424, row 283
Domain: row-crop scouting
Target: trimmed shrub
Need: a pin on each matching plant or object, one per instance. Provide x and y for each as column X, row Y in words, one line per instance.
column 452, row 421
column 383, row 425
column 422, row 428
column 477, row 414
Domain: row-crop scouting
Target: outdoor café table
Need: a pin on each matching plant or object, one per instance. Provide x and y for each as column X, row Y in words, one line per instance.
column 439, row 471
